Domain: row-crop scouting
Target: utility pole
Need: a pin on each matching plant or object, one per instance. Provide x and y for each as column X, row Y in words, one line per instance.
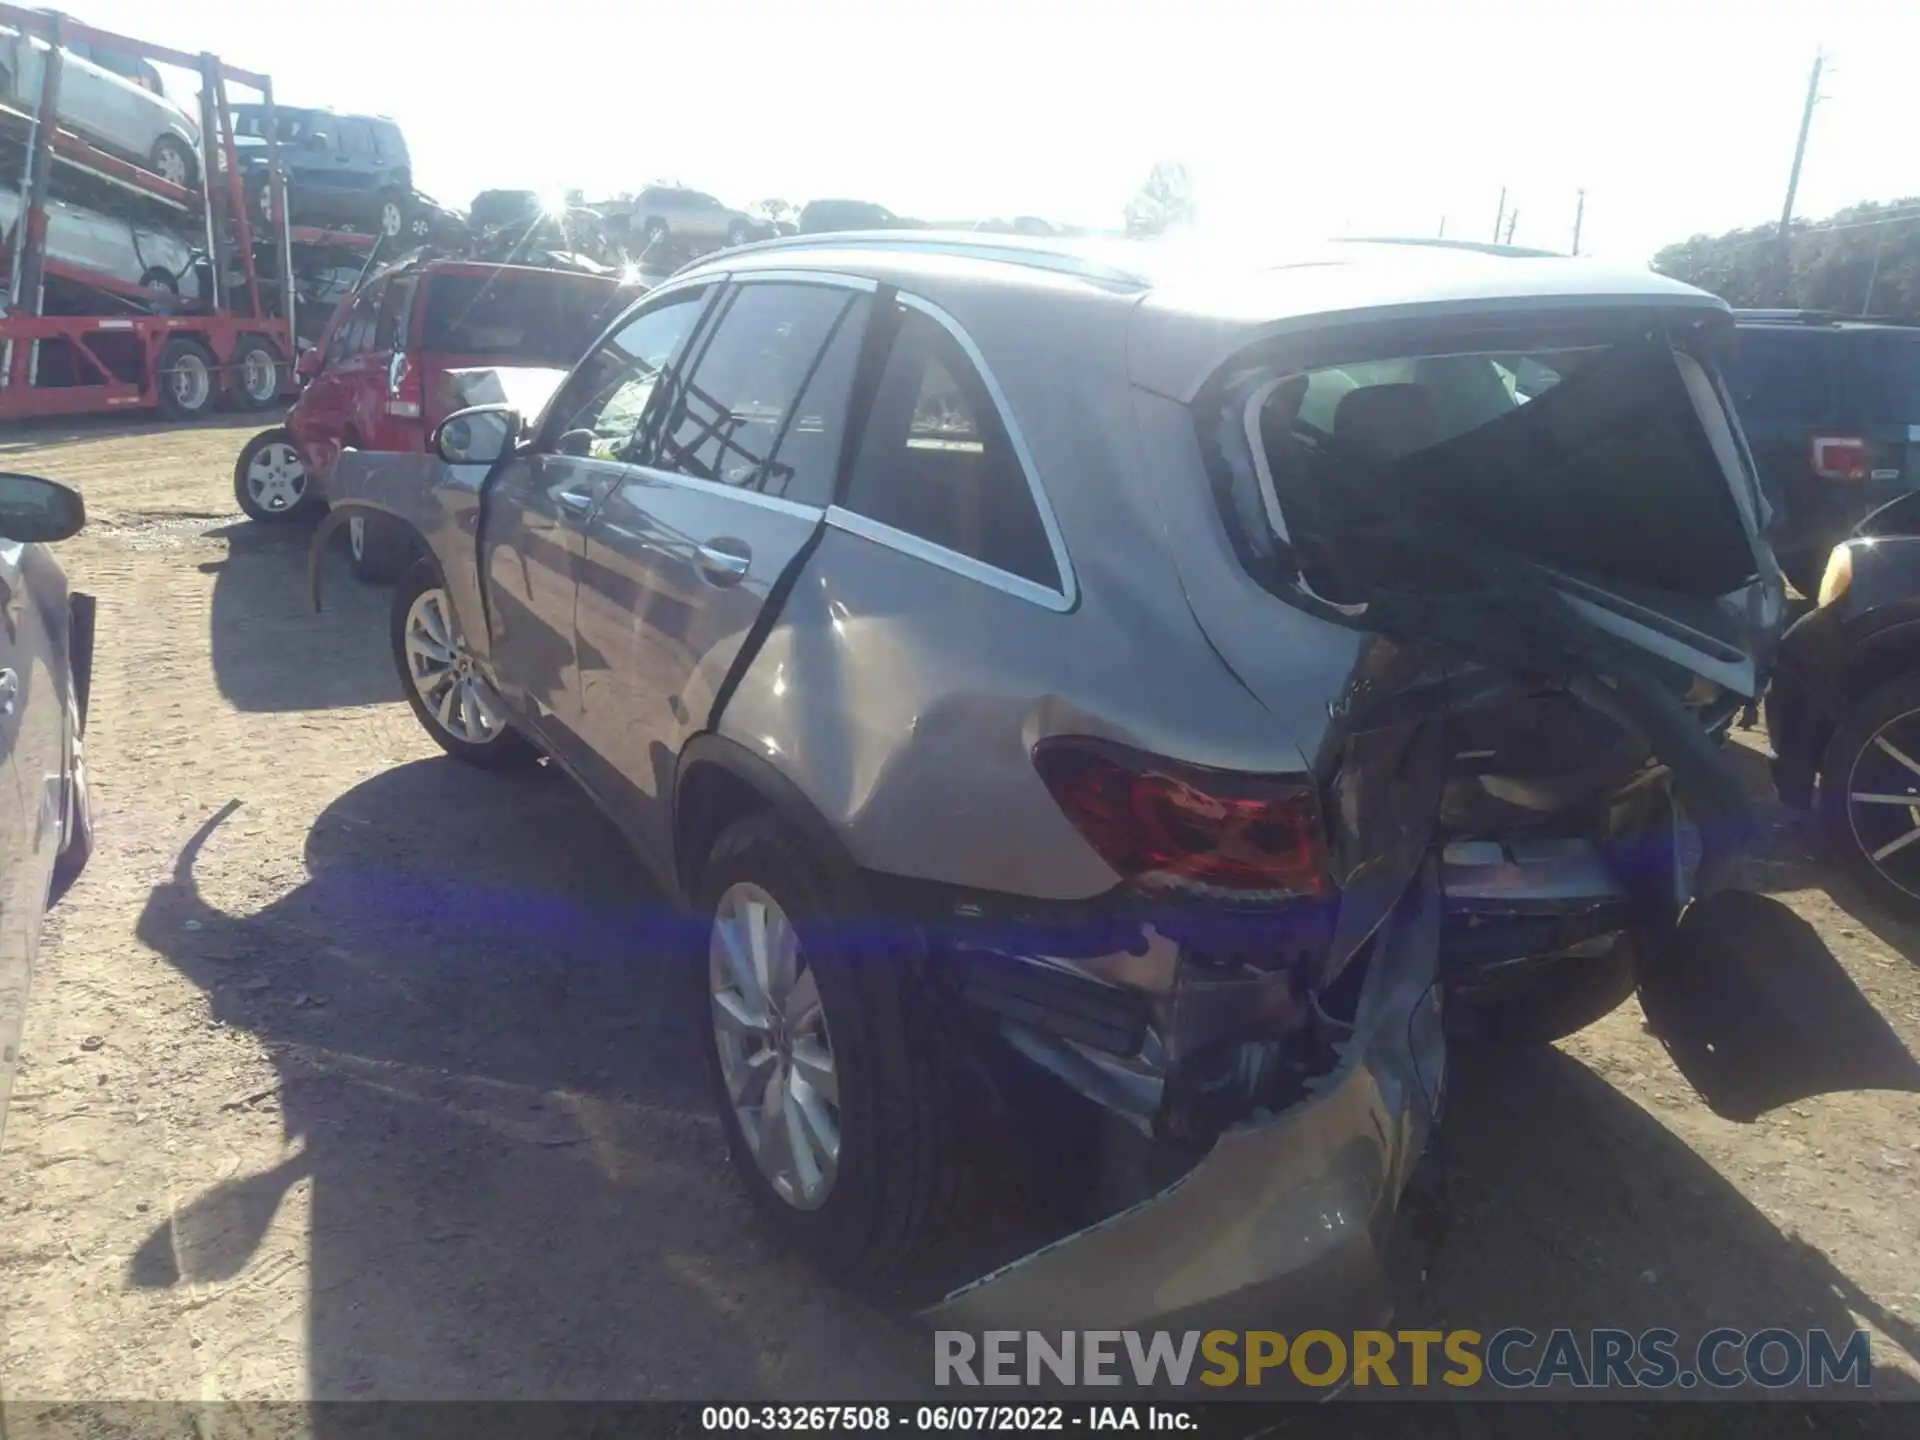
column 1513, row 219
column 1793, row 175
column 1579, row 214
column 1500, row 214
column 1443, row 227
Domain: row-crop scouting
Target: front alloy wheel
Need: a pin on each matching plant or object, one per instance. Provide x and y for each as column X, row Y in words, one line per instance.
column 444, row 676
column 776, row 1055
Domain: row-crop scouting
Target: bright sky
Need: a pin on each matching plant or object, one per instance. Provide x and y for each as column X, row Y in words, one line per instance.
column 1345, row 116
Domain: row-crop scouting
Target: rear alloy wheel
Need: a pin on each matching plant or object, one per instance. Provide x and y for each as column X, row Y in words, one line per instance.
column 1870, row 795
column 450, row 696
column 255, row 377
column 775, row 1052
column 837, row 1080
column 270, row 480
column 185, row 379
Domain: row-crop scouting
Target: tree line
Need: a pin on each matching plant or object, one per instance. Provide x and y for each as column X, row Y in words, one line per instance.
column 1864, row 260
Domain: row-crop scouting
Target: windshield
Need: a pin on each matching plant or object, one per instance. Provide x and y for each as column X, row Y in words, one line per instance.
column 534, row 319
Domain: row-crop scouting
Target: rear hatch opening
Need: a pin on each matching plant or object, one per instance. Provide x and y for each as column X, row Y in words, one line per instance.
column 1566, row 506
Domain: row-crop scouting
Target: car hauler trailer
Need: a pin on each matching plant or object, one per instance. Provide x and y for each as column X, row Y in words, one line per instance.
column 238, row 339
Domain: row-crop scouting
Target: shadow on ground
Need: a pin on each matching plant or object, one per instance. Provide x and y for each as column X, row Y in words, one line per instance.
column 1569, row 1206
column 1784, row 855
column 518, row 1188
column 271, row 652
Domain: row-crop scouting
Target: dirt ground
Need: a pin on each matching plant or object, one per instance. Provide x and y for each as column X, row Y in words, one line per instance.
column 346, row 1076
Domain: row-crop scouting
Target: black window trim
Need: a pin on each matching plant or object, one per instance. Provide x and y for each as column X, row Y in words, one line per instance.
column 1061, row 599
column 716, row 314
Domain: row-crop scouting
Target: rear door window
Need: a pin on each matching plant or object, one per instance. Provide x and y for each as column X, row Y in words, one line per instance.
column 936, row 460
column 1882, row 369
column 526, row 318
column 1779, row 378
column 733, row 413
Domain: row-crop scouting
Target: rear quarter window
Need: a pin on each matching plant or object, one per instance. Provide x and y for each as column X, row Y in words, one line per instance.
column 531, row 319
column 1882, row 373
column 1780, row 378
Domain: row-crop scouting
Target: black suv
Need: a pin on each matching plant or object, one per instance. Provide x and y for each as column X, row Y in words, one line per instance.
column 342, row 170
column 1831, row 408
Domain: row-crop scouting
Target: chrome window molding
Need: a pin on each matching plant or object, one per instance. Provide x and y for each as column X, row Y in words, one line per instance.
column 907, row 543
column 1068, row 594
column 776, row 503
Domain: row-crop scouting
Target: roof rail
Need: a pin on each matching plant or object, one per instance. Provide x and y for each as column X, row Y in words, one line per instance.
column 1481, row 247
column 1037, row 254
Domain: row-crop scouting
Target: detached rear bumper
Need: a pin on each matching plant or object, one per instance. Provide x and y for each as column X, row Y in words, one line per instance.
column 1284, row 1223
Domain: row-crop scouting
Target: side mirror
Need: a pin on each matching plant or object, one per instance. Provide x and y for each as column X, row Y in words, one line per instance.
column 33, row 510
column 575, row 442
column 479, row 435
column 308, row 365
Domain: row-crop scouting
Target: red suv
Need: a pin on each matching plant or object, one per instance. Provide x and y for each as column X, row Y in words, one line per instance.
column 385, row 373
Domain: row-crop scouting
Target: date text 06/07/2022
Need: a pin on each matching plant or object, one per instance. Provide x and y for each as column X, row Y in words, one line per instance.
column 924, row 1419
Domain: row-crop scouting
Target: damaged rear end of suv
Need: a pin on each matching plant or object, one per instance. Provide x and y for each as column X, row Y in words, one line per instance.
column 1481, row 536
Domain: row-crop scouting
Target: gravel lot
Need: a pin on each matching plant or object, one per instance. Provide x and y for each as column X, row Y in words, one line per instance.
column 346, row 1077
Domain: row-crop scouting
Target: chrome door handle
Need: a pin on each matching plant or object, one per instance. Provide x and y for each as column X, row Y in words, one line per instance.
column 578, row 501
column 722, row 567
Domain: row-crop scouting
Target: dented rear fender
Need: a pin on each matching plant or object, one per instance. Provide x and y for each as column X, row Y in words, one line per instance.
column 438, row 503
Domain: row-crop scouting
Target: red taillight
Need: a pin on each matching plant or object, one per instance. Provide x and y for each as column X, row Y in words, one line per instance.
column 1165, row 826
column 1840, row 457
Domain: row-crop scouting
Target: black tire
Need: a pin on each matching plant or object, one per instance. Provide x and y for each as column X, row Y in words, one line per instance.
column 1850, row 835
column 170, row 152
column 893, row 1204
column 254, row 361
column 1545, row 1001
column 272, row 504
column 380, row 549
column 186, row 379
column 508, row 749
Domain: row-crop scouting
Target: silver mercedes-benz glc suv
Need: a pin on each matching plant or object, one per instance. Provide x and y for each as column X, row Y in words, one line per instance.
column 1097, row 704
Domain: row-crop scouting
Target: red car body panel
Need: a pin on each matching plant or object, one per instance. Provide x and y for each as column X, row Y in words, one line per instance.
column 379, row 386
